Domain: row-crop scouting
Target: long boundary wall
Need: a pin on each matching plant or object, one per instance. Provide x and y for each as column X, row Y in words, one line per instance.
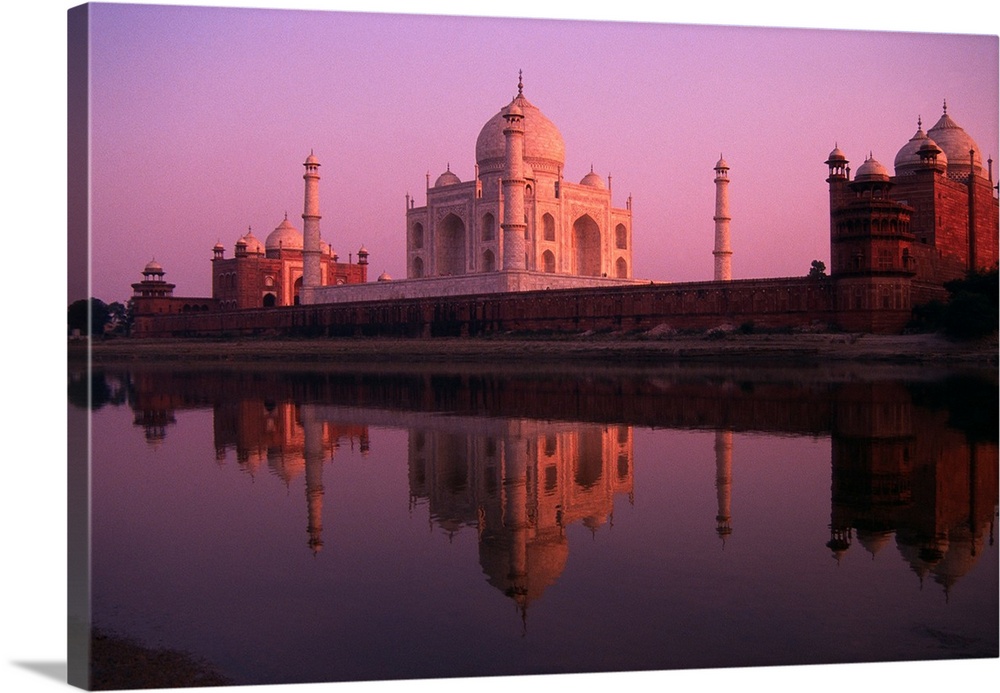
column 764, row 303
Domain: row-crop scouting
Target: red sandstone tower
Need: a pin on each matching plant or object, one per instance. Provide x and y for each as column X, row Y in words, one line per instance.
column 870, row 242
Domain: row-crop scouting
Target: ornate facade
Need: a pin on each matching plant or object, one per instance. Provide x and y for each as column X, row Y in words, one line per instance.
column 479, row 226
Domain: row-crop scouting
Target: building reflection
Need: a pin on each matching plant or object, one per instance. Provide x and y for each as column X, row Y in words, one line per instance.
column 520, row 484
column 902, row 475
column 289, row 442
column 913, row 463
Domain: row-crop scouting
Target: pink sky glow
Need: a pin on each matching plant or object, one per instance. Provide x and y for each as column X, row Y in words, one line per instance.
column 202, row 117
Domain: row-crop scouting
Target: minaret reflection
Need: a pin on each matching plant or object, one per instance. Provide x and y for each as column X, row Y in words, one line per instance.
column 520, row 484
column 723, row 482
column 291, row 440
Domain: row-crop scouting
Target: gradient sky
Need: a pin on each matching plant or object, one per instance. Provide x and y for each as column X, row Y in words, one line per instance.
column 202, row 117
column 33, row 48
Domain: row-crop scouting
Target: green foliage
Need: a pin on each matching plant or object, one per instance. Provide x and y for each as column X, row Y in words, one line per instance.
column 971, row 311
column 88, row 316
column 817, row 269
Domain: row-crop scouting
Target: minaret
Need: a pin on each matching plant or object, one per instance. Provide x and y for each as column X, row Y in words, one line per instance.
column 311, row 275
column 723, row 254
column 513, row 186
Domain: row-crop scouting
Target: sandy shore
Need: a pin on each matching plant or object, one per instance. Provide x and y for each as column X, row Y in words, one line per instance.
column 730, row 348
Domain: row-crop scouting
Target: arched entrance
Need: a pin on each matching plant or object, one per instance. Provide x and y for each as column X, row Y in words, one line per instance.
column 586, row 247
column 451, row 246
column 621, row 268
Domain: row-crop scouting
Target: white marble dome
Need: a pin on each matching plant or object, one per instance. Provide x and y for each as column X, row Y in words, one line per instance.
column 544, row 147
column 593, row 180
column 284, row 237
column 956, row 144
column 447, row 178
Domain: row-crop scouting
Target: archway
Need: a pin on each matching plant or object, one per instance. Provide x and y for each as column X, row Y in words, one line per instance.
column 489, row 227
column 451, row 246
column 489, row 261
column 270, row 300
column 418, row 268
column 548, row 227
column 621, row 237
column 621, row 268
column 549, row 261
column 586, row 247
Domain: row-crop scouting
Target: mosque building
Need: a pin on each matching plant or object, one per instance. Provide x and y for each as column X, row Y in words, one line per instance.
column 896, row 239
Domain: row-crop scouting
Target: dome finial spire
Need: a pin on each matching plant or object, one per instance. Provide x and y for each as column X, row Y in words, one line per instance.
column 945, row 106
column 520, row 83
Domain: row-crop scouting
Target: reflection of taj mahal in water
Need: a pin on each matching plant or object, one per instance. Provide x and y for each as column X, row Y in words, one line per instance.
column 520, row 484
column 900, row 471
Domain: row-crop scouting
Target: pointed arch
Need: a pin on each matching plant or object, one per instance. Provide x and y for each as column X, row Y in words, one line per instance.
column 621, row 268
column 586, row 247
column 450, row 246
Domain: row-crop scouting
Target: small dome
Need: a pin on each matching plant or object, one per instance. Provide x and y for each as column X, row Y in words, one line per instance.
column 908, row 157
column 218, row 246
column 252, row 243
column 384, row 277
column 956, row 144
column 447, row 178
column 721, row 163
column 872, row 170
column 325, row 248
column 311, row 160
column 284, row 237
column 153, row 267
column 593, row 180
column 836, row 155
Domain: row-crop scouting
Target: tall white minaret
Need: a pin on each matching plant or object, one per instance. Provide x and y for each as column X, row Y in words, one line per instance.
column 513, row 186
column 723, row 254
column 311, row 275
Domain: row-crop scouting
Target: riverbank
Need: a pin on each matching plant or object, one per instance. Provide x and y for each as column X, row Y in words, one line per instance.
column 729, row 348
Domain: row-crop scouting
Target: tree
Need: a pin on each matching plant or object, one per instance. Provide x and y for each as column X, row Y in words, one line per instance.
column 120, row 318
column 817, row 269
column 88, row 316
column 971, row 310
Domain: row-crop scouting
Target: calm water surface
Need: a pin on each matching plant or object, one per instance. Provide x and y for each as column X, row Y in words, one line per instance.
column 338, row 524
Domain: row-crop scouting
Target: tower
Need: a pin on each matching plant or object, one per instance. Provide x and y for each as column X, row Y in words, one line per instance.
column 310, row 228
column 514, row 224
column 723, row 254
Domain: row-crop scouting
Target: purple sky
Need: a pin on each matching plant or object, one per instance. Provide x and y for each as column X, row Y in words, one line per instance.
column 33, row 48
column 202, row 118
